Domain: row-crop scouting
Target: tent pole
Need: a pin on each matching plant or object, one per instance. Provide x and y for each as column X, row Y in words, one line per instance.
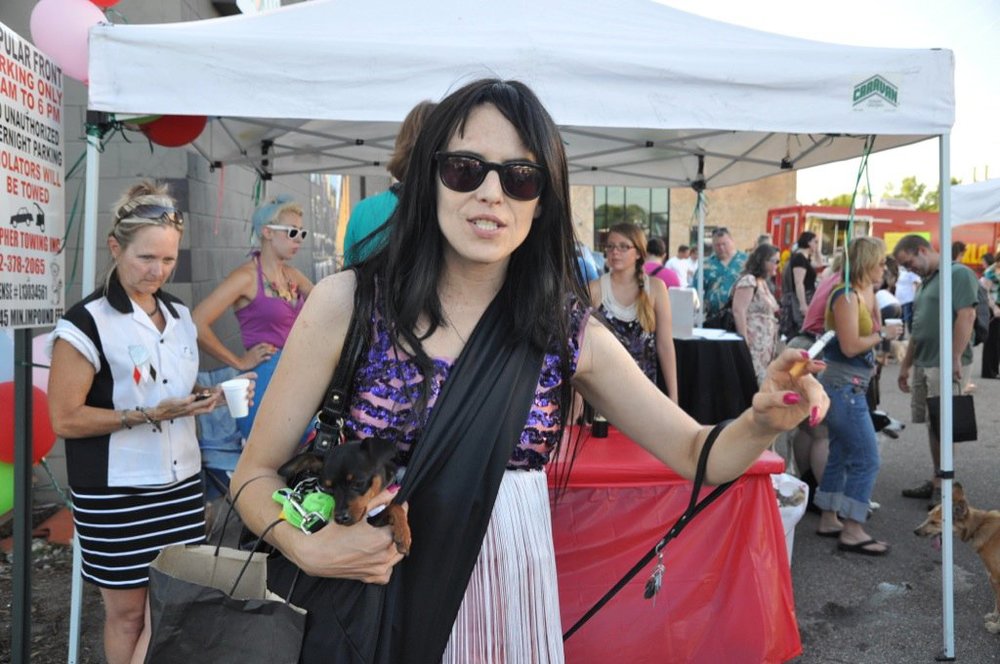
column 87, row 283
column 93, row 174
column 947, row 465
column 700, row 204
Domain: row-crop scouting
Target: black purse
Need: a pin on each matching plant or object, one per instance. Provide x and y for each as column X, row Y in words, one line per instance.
column 963, row 417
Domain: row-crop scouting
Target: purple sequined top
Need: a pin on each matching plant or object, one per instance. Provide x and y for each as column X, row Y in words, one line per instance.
column 388, row 383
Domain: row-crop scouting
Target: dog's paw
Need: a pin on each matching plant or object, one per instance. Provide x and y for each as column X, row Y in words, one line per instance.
column 992, row 616
column 993, row 627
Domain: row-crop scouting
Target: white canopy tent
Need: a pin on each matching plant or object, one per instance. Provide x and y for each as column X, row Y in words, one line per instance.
column 640, row 90
column 975, row 203
column 645, row 95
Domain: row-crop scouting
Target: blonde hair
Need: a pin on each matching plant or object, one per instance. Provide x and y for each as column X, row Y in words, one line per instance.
column 644, row 305
column 125, row 228
column 863, row 255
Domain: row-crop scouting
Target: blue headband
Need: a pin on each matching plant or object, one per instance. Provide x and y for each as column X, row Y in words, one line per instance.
column 267, row 213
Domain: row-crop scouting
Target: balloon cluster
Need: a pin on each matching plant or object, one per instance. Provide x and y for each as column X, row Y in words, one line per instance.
column 43, row 437
column 59, row 28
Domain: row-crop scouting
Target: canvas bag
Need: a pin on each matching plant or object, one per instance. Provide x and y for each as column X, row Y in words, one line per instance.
column 202, row 610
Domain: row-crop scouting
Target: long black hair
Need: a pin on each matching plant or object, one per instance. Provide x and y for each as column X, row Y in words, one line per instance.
column 540, row 282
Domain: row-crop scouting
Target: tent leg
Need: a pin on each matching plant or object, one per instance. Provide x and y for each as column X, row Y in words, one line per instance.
column 75, row 603
column 92, row 180
column 947, row 464
column 87, row 283
column 700, row 203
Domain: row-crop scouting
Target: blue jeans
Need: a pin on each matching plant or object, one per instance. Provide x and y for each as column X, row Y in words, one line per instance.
column 853, row 463
column 907, row 316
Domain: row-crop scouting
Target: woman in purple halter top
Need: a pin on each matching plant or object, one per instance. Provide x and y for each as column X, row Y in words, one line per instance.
column 266, row 294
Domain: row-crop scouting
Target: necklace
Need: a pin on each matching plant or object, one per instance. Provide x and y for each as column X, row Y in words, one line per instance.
column 156, row 310
column 286, row 290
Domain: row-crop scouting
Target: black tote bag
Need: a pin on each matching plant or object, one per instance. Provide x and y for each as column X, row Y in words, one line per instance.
column 963, row 417
column 205, row 607
column 451, row 484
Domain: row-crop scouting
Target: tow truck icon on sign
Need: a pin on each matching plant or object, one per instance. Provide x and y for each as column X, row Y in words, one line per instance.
column 23, row 216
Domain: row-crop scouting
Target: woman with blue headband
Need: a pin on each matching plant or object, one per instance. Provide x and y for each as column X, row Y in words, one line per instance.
column 266, row 294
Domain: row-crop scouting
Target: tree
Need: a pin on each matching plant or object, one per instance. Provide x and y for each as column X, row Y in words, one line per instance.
column 842, row 200
column 916, row 193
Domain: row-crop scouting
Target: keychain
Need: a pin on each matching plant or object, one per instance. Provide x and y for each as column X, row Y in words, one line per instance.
column 656, row 578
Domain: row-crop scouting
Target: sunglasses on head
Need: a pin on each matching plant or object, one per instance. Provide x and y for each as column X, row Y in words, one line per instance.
column 165, row 213
column 521, row 180
column 292, row 231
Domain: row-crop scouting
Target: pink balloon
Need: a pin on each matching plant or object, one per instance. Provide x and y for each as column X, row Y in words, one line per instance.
column 59, row 29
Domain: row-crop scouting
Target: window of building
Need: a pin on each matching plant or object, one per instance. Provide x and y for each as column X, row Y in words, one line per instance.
column 647, row 207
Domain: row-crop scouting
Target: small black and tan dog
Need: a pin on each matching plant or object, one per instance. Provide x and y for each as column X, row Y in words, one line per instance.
column 354, row 473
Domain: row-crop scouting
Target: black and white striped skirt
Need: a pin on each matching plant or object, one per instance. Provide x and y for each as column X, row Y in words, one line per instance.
column 121, row 529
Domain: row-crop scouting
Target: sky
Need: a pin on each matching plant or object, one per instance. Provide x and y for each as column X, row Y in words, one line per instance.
column 970, row 28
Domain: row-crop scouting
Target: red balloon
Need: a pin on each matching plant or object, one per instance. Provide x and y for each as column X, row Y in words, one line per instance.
column 42, row 438
column 172, row 131
column 104, row 4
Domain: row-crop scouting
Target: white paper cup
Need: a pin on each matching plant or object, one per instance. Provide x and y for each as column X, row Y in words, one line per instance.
column 893, row 321
column 237, row 396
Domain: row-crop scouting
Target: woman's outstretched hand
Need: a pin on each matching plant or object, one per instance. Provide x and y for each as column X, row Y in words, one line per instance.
column 784, row 400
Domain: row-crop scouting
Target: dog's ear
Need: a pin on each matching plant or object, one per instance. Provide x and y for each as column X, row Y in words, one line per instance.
column 379, row 450
column 961, row 509
column 305, row 462
column 958, row 492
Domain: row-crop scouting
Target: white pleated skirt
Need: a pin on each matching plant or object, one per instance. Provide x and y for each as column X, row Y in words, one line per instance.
column 510, row 613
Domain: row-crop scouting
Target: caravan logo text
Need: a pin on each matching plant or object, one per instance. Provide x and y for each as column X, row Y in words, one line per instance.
column 876, row 86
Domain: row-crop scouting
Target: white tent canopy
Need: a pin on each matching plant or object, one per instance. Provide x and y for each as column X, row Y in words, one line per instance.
column 640, row 90
column 644, row 95
column 975, row 203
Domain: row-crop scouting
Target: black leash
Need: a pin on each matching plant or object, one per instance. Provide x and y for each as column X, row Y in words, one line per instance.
column 693, row 509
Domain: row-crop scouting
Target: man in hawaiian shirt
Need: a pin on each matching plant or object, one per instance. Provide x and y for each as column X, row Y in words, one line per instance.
column 722, row 269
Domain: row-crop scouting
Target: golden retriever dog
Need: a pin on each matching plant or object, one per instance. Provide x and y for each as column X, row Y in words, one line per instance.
column 981, row 529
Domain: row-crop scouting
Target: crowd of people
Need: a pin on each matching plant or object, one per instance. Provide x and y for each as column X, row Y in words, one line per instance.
column 471, row 255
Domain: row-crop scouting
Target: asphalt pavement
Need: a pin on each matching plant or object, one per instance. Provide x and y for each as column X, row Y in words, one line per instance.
column 854, row 608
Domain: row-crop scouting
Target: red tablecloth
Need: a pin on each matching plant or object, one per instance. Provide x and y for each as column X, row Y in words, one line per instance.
column 727, row 591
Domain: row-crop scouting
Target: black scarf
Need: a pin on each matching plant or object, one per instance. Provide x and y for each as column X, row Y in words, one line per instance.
column 451, row 485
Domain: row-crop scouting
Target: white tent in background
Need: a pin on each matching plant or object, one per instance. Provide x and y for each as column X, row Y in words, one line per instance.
column 645, row 95
column 975, row 203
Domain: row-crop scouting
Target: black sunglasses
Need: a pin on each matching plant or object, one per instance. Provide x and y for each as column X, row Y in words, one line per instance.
column 521, row 180
column 148, row 211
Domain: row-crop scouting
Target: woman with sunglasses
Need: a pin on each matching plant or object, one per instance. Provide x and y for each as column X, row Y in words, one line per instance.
column 122, row 394
column 636, row 307
column 478, row 272
column 266, row 294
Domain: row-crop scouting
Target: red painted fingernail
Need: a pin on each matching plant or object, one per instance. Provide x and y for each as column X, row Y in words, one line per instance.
column 814, row 416
column 791, row 398
column 805, row 355
column 394, row 488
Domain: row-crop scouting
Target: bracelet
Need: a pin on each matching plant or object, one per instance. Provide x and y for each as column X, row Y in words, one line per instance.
column 125, row 424
column 149, row 420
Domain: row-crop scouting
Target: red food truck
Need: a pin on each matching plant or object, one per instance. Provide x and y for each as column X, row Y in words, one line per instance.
column 831, row 225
